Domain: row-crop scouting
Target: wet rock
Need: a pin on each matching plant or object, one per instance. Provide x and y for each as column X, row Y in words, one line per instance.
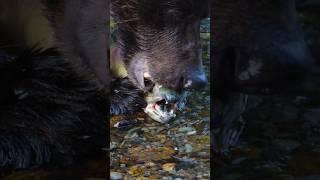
column 185, row 163
column 140, row 119
column 147, row 174
column 238, row 160
column 124, row 124
column 286, row 145
column 300, row 100
column 202, row 155
column 116, row 176
column 113, row 145
column 135, row 171
column 185, row 129
column 150, row 164
column 271, row 167
column 167, row 178
column 151, row 154
column 312, row 115
column 188, row 148
column 290, row 113
column 168, row 166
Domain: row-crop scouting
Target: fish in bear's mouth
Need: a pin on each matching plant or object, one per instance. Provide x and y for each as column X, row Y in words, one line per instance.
column 163, row 103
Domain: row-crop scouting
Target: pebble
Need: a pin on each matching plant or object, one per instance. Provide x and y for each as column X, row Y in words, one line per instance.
column 167, row 178
column 140, row 119
column 188, row 148
column 149, row 164
column 116, row 176
column 238, row 160
column 113, row 145
column 168, row 166
column 312, row 115
column 202, row 155
column 191, row 133
column 186, row 129
column 287, row 145
column 185, row 163
column 299, row 100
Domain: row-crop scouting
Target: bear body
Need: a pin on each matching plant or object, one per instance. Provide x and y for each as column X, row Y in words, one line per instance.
column 54, row 101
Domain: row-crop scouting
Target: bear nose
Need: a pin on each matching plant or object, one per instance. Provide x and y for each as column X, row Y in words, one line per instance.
column 195, row 81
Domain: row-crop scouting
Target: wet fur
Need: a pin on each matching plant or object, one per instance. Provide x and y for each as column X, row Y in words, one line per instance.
column 54, row 102
column 261, row 37
column 266, row 32
column 163, row 36
column 49, row 110
column 54, row 106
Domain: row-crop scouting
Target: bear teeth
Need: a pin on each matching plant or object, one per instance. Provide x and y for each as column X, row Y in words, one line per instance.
column 146, row 75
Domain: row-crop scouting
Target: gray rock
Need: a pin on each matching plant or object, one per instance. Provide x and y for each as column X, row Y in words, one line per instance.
column 116, row 176
column 185, row 129
column 188, row 148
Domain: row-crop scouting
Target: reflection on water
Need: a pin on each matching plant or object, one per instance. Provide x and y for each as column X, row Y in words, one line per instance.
column 281, row 141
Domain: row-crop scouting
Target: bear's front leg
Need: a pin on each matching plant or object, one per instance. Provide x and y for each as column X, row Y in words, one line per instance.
column 125, row 97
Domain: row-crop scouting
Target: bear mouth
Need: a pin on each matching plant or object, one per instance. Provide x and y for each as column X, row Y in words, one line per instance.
column 162, row 103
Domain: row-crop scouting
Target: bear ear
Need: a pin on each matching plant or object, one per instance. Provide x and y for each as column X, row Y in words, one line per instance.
column 80, row 27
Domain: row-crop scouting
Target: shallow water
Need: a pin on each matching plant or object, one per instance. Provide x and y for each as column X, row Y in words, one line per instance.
column 281, row 141
column 152, row 150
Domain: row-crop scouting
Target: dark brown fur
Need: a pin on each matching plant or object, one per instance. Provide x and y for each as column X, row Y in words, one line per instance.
column 162, row 36
column 266, row 32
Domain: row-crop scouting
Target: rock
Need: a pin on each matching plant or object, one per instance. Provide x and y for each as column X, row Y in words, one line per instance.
column 113, row 145
column 286, row 145
column 185, row 129
column 238, row 160
column 312, row 115
column 185, row 163
column 300, row 100
column 140, row 119
column 188, row 148
column 201, row 155
column 150, row 164
column 151, row 154
column 290, row 113
column 167, row 178
column 116, row 176
column 169, row 166
column 135, row 171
